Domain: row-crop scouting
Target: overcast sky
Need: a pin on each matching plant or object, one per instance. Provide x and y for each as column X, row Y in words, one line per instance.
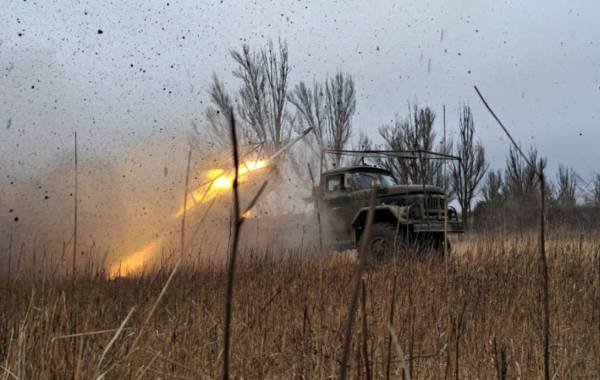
column 115, row 71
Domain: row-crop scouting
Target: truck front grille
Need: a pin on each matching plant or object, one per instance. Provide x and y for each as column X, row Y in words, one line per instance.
column 434, row 208
column 433, row 204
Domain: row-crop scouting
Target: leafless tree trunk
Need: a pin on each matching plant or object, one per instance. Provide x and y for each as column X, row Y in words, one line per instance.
column 415, row 133
column 521, row 183
column 340, row 106
column 263, row 93
column 276, row 69
column 520, row 177
column 492, row 189
column 217, row 111
column 597, row 190
column 468, row 173
column 363, row 143
column 328, row 109
column 565, row 192
column 310, row 111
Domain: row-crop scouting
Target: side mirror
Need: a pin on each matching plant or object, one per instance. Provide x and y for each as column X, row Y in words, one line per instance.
column 347, row 181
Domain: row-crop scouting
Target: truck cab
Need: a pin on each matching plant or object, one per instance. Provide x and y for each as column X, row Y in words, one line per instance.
column 405, row 215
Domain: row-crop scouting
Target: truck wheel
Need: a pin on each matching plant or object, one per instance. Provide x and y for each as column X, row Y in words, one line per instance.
column 381, row 240
column 439, row 247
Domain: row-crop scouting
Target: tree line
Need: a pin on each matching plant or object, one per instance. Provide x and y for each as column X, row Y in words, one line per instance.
column 270, row 110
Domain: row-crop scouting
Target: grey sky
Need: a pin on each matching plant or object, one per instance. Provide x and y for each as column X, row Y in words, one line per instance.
column 146, row 74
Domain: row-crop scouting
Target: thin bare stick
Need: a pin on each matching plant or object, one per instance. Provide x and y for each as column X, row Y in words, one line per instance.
column 114, row 338
column 447, row 286
column 171, row 361
column 147, row 366
column 259, row 315
column 75, row 196
column 458, row 334
column 391, row 323
column 202, row 219
column 8, row 372
column 149, row 315
column 357, row 282
column 255, row 199
column 84, row 334
column 236, row 224
column 445, row 195
column 514, row 143
column 446, row 279
column 185, row 198
column 365, row 331
column 544, row 268
column 317, row 209
column 543, row 261
column 400, row 353
column 10, row 241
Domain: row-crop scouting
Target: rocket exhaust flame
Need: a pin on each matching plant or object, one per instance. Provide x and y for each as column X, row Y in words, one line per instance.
column 219, row 182
column 134, row 263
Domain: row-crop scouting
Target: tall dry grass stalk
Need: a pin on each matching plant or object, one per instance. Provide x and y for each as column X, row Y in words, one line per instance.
column 362, row 262
column 232, row 258
column 388, row 362
column 185, row 200
column 539, row 171
column 236, row 225
column 75, row 205
column 298, row 331
column 545, row 276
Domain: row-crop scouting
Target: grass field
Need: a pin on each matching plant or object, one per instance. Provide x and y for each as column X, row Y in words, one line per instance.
column 476, row 315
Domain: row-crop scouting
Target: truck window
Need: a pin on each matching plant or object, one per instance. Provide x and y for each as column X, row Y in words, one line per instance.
column 334, row 183
column 362, row 181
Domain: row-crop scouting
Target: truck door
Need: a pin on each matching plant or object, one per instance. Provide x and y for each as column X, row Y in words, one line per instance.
column 337, row 202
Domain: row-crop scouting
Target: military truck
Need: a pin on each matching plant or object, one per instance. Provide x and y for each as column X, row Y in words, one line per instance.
column 408, row 218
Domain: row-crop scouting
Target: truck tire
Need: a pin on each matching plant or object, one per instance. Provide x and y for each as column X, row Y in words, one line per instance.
column 438, row 247
column 381, row 241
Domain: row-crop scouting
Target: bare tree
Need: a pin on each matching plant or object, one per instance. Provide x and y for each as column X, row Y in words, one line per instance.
column 263, row 93
column 492, row 188
column 415, row 133
column 597, row 190
column 363, row 143
column 328, row 109
column 340, row 107
column 520, row 177
column 566, row 185
column 310, row 107
column 521, row 187
column 216, row 113
column 468, row 173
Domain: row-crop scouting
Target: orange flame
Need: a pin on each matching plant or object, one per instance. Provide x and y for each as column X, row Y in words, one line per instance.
column 134, row 263
column 218, row 182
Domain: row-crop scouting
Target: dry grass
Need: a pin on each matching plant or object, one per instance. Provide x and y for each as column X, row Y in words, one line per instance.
column 288, row 318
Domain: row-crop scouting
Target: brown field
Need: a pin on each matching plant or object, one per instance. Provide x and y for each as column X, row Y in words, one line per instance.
column 476, row 315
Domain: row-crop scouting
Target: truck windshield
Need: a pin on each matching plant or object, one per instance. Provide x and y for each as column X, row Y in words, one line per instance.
column 364, row 180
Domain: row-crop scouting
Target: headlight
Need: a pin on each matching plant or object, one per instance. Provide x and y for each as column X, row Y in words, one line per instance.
column 452, row 214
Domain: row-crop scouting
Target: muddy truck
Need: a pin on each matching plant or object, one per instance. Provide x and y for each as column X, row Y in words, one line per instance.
column 408, row 218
